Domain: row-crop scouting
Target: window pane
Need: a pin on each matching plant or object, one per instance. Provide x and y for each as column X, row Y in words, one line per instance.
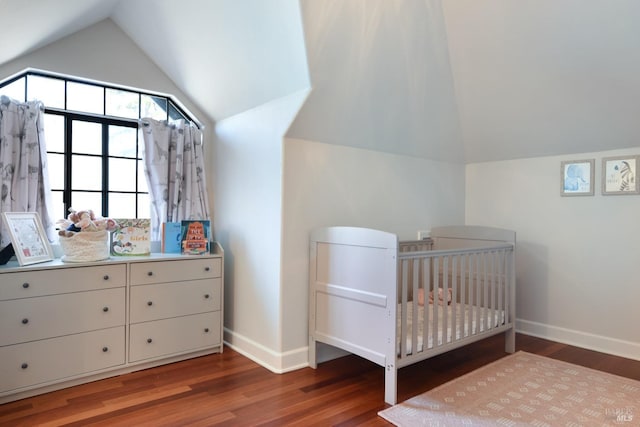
column 175, row 114
column 144, row 206
column 86, row 137
column 122, row 103
column 54, row 128
column 86, row 173
column 122, row 205
column 154, row 107
column 142, row 179
column 86, row 98
column 14, row 90
column 122, row 141
column 49, row 91
column 58, row 205
column 56, row 171
column 82, row 201
column 122, row 175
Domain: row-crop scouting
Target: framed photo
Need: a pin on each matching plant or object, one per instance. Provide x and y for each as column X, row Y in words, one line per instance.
column 29, row 240
column 577, row 177
column 619, row 175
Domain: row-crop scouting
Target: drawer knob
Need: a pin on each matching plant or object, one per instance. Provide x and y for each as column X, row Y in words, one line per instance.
column 105, row 349
column 24, row 365
column 25, row 321
column 105, row 277
column 149, row 303
column 150, row 273
column 207, row 269
column 25, row 285
column 149, row 340
column 105, row 309
column 206, row 330
column 206, row 296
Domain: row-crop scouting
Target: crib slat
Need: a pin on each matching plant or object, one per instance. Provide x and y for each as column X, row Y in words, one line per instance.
column 454, row 297
column 494, row 296
column 464, row 262
column 478, row 293
column 444, row 309
column 403, row 308
column 434, row 307
column 415, row 308
column 428, row 262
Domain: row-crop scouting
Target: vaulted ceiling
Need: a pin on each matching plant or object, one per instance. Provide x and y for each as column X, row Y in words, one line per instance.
column 456, row 80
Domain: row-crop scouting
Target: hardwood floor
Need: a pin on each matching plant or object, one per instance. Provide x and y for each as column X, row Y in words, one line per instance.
column 229, row 389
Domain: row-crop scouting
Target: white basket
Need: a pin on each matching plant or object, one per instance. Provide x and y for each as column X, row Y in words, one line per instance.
column 85, row 246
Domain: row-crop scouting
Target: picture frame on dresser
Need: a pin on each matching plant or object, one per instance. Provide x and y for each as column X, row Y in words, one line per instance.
column 619, row 175
column 28, row 237
column 577, row 177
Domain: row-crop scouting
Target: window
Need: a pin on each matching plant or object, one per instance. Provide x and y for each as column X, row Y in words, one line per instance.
column 93, row 146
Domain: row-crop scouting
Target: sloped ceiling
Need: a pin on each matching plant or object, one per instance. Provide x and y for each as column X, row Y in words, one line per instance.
column 30, row 25
column 228, row 55
column 380, row 78
column 545, row 77
column 458, row 80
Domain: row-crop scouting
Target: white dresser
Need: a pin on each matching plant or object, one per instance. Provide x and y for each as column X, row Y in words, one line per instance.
column 65, row 324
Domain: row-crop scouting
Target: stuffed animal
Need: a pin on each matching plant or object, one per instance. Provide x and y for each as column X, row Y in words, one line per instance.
column 84, row 220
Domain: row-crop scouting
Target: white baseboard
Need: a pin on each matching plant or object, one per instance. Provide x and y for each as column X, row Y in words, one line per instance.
column 274, row 361
column 627, row 349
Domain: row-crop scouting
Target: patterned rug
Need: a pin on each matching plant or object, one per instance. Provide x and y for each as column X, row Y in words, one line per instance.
column 525, row 389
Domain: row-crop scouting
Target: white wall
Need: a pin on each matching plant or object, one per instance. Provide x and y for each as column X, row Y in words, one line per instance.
column 327, row 184
column 577, row 257
column 248, row 223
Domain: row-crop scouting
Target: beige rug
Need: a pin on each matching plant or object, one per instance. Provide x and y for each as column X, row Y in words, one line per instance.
column 525, row 389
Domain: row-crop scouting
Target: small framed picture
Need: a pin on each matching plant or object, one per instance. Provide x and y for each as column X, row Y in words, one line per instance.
column 29, row 240
column 577, row 177
column 619, row 175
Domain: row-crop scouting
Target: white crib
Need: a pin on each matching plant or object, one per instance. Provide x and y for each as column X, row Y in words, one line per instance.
column 368, row 291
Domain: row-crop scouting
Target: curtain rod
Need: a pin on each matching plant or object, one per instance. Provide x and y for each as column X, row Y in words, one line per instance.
column 145, row 123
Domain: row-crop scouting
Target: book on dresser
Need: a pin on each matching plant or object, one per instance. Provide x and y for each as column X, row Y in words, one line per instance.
column 171, row 237
column 195, row 237
column 131, row 237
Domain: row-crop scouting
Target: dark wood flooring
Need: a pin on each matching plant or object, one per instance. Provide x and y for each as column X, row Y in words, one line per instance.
column 229, row 389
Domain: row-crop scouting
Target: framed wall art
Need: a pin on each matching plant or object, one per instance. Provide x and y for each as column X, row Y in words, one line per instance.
column 619, row 175
column 28, row 238
column 577, row 177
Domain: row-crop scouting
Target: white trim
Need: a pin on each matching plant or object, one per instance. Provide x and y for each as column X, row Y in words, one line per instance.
column 617, row 347
column 276, row 362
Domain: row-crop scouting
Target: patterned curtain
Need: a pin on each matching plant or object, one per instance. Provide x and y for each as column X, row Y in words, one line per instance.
column 24, row 176
column 174, row 166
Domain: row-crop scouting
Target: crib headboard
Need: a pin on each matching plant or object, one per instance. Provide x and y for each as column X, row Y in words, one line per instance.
column 352, row 293
column 469, row 236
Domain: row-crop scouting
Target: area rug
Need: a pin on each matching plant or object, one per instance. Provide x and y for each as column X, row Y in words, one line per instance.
column 525, row 389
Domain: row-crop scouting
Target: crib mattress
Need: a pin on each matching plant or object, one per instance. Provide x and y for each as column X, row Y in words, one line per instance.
column 469, row 320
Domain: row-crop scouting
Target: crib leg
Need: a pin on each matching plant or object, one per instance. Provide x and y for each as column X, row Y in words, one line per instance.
column 312, row 353
column 510, row 340
column 390, row 384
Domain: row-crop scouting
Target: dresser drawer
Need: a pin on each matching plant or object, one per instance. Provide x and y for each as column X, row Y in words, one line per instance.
column 39, row 362
column 30, row 319
column 144, row 273
column 172, row 336
column 61, row 280
column 154, row 302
